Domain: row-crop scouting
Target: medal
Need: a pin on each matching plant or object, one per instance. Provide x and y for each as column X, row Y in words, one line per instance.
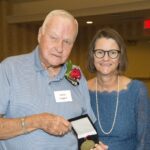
column 87, row 145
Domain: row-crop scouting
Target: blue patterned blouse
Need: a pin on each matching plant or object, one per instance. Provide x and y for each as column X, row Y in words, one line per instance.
column 132, row 126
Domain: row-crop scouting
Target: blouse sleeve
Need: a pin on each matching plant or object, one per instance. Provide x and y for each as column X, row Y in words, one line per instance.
column 143, row 119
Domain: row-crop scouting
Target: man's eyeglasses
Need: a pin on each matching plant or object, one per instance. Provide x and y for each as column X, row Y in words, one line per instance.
column 113, row 53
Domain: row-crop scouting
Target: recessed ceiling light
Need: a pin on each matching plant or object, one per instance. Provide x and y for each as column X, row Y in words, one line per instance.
column 89, row 22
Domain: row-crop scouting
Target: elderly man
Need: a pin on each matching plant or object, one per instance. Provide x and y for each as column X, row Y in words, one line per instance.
column 36, row 99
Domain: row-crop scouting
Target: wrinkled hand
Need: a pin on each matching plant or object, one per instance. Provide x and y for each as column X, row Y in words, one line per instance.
column 100, row 146
column 54, row 124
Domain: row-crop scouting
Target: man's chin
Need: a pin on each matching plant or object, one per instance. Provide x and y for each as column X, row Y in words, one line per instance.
column 56, row 65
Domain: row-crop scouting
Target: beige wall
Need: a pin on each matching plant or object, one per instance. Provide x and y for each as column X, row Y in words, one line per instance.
column 139, row 62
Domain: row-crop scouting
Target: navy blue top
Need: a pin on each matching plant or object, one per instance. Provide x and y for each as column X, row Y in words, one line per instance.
column 132, row 127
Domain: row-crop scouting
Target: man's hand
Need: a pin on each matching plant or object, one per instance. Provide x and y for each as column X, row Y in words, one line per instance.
column 54, row 124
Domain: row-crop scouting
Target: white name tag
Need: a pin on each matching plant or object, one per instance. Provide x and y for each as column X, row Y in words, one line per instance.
column 63, row 96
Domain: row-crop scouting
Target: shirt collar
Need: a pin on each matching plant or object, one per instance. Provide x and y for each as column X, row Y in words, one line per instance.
column 37, row 62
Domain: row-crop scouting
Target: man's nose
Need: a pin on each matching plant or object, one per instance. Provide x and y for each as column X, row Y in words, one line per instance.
column 59, row 46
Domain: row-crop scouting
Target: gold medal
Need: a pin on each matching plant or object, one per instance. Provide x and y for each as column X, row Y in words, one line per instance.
column 87, row 144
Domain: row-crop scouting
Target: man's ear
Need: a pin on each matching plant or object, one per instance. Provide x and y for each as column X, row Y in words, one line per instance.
column 39, row 34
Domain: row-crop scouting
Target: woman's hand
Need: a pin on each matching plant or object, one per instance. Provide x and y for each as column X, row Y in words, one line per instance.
column 100, row 146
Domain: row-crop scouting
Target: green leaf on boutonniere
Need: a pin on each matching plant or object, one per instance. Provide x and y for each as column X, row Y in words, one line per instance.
column 73, row 73
column 69, row 67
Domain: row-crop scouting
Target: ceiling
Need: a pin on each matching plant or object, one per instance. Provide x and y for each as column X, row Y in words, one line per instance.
column 116, row 17
column 99, row 11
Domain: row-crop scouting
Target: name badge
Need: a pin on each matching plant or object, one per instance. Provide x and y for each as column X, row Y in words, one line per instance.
column 63, row 96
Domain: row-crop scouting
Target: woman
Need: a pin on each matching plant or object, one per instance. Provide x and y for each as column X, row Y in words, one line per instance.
column 120, row 104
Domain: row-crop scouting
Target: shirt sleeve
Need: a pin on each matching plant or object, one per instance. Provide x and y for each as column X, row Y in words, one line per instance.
column 85, row 92
column 4, row 89
column 143, row 119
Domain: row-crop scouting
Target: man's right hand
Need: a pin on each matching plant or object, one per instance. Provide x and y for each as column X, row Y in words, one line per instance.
column 53, row 124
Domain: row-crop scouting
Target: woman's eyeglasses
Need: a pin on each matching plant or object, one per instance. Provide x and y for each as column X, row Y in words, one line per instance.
column 113, row 53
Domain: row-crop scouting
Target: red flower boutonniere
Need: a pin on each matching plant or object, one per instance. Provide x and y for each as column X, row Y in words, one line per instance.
column 73, row 73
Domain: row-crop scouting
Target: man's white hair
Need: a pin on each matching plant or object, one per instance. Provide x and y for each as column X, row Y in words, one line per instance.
column 60, row 12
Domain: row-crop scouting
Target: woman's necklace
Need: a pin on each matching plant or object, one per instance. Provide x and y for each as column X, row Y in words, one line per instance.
column 115, row 115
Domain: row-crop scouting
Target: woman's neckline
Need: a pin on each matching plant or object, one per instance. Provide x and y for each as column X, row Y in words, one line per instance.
column 113, row 91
